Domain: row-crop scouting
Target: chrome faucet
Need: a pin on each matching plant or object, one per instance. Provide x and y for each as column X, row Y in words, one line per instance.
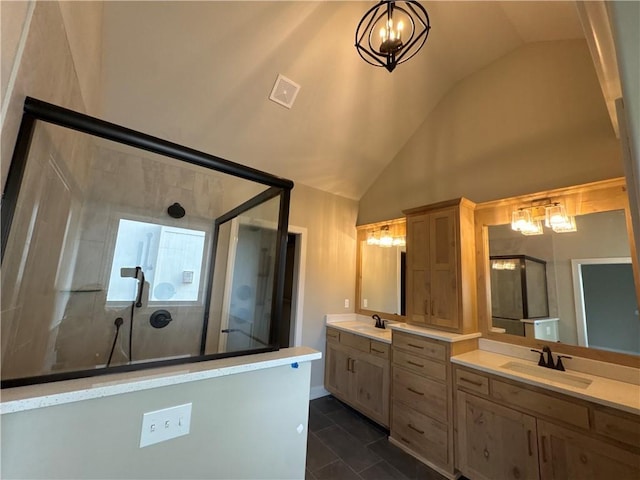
column 379, row 322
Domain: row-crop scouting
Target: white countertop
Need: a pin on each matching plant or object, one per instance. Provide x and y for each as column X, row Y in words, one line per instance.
column 57, row 393
column 364, row 326
column 355, row 327
column 435, row 334
column 537, row 321
column 604, row 391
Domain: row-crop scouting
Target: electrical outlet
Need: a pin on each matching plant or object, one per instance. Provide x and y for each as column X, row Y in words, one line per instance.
column 165, row 424
column 366, row 303
column 346, row 303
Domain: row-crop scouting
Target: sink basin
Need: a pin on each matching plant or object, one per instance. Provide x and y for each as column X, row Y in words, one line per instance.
column 372, row 330
column 548, row 374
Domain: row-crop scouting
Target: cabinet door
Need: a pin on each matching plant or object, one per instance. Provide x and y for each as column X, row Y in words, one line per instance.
column 370, row 377
column 495, row 442
column 338, row 370
column 418, row 293
column 443, row 260
column 565, row 454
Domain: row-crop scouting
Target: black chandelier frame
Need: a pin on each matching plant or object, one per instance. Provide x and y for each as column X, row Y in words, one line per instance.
column 365, row 33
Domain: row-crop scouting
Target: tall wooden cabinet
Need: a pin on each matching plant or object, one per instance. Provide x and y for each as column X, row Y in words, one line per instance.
column 422, row 402
column 441, row 280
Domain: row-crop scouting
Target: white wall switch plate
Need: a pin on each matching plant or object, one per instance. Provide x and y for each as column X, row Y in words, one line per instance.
column 161, row 425
column 346, row 303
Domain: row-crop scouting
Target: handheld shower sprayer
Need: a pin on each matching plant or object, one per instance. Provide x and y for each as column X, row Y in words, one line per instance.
column 138, row 274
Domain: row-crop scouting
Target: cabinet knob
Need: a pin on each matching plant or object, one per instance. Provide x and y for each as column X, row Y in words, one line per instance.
column 486, row 453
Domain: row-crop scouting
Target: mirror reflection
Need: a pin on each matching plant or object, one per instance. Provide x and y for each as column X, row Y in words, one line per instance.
column 586, row 276
column 383, row 278
column 381, row 268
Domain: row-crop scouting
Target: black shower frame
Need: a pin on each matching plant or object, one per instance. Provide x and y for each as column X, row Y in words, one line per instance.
column 523, row 282
column 35, row 110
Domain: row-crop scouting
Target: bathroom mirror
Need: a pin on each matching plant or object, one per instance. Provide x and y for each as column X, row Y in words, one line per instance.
column 583, row 270
column 380, row 269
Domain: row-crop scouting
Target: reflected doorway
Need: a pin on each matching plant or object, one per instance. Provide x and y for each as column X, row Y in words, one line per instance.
column 606, row 304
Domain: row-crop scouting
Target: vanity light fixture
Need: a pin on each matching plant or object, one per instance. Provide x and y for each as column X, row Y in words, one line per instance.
column 503, row 264
column 520, row 219
column 533, row 228
column 391, row 32
column 555, row 215
column 528, row 220
column 384, row 237
column 386, row 240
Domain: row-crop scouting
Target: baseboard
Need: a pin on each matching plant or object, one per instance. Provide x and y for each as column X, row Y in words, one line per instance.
column 317, row 392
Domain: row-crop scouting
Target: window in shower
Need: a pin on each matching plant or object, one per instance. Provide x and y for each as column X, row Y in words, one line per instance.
column 170, row 258
column 99, row 277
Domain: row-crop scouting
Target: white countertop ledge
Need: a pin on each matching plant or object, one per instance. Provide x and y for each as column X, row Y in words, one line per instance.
column 434, row 334
column 30, row 397
column 604, row 391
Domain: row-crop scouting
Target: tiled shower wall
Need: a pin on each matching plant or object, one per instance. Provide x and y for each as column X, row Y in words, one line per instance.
column 46, row 72
column 47, row 323
column 124, row 185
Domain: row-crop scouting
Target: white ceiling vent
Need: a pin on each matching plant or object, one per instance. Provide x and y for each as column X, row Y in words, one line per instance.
column 284, row 91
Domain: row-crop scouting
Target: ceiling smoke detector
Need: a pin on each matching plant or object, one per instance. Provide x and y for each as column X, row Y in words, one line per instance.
column 284, row 91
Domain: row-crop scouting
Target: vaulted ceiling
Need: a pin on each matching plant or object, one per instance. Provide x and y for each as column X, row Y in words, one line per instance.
column 200, row 74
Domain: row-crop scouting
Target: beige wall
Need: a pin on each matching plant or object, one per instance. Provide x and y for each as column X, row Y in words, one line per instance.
column 83, row 24
column 242, row 426
column 534, row 119
column 331, row 261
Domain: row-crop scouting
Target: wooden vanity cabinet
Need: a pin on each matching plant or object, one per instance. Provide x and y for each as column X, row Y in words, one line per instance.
column 422, row 398
column 441, row 286
column 495, row 441
column 357, row 372
column 510, row 430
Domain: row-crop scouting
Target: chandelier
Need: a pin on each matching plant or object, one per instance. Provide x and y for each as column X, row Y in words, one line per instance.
column 392, row 32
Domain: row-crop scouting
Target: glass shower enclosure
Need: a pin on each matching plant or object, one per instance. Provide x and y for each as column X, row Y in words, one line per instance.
column 123, row 251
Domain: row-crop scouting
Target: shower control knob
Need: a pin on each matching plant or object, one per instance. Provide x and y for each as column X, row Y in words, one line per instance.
column 160, row 318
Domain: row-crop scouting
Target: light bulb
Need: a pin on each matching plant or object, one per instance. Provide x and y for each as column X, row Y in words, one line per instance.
column 383, row 34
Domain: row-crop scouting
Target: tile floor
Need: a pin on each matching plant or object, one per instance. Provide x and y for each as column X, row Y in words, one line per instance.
column 345, row 445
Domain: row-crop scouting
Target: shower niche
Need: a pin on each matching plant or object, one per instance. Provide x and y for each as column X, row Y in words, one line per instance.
column 103, row 227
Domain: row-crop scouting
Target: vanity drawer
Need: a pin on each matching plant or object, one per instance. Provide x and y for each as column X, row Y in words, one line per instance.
column 420, row 365
column 333, row 335
column 423, row 435
column 424, row 395
column 623, row 429
column 419, row 345
column 542, row 404
column 472, row 381
column 355, row 341
column 379, row 349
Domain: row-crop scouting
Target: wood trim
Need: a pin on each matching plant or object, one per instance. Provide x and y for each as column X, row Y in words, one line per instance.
column 461, row 201
column 588, row 198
